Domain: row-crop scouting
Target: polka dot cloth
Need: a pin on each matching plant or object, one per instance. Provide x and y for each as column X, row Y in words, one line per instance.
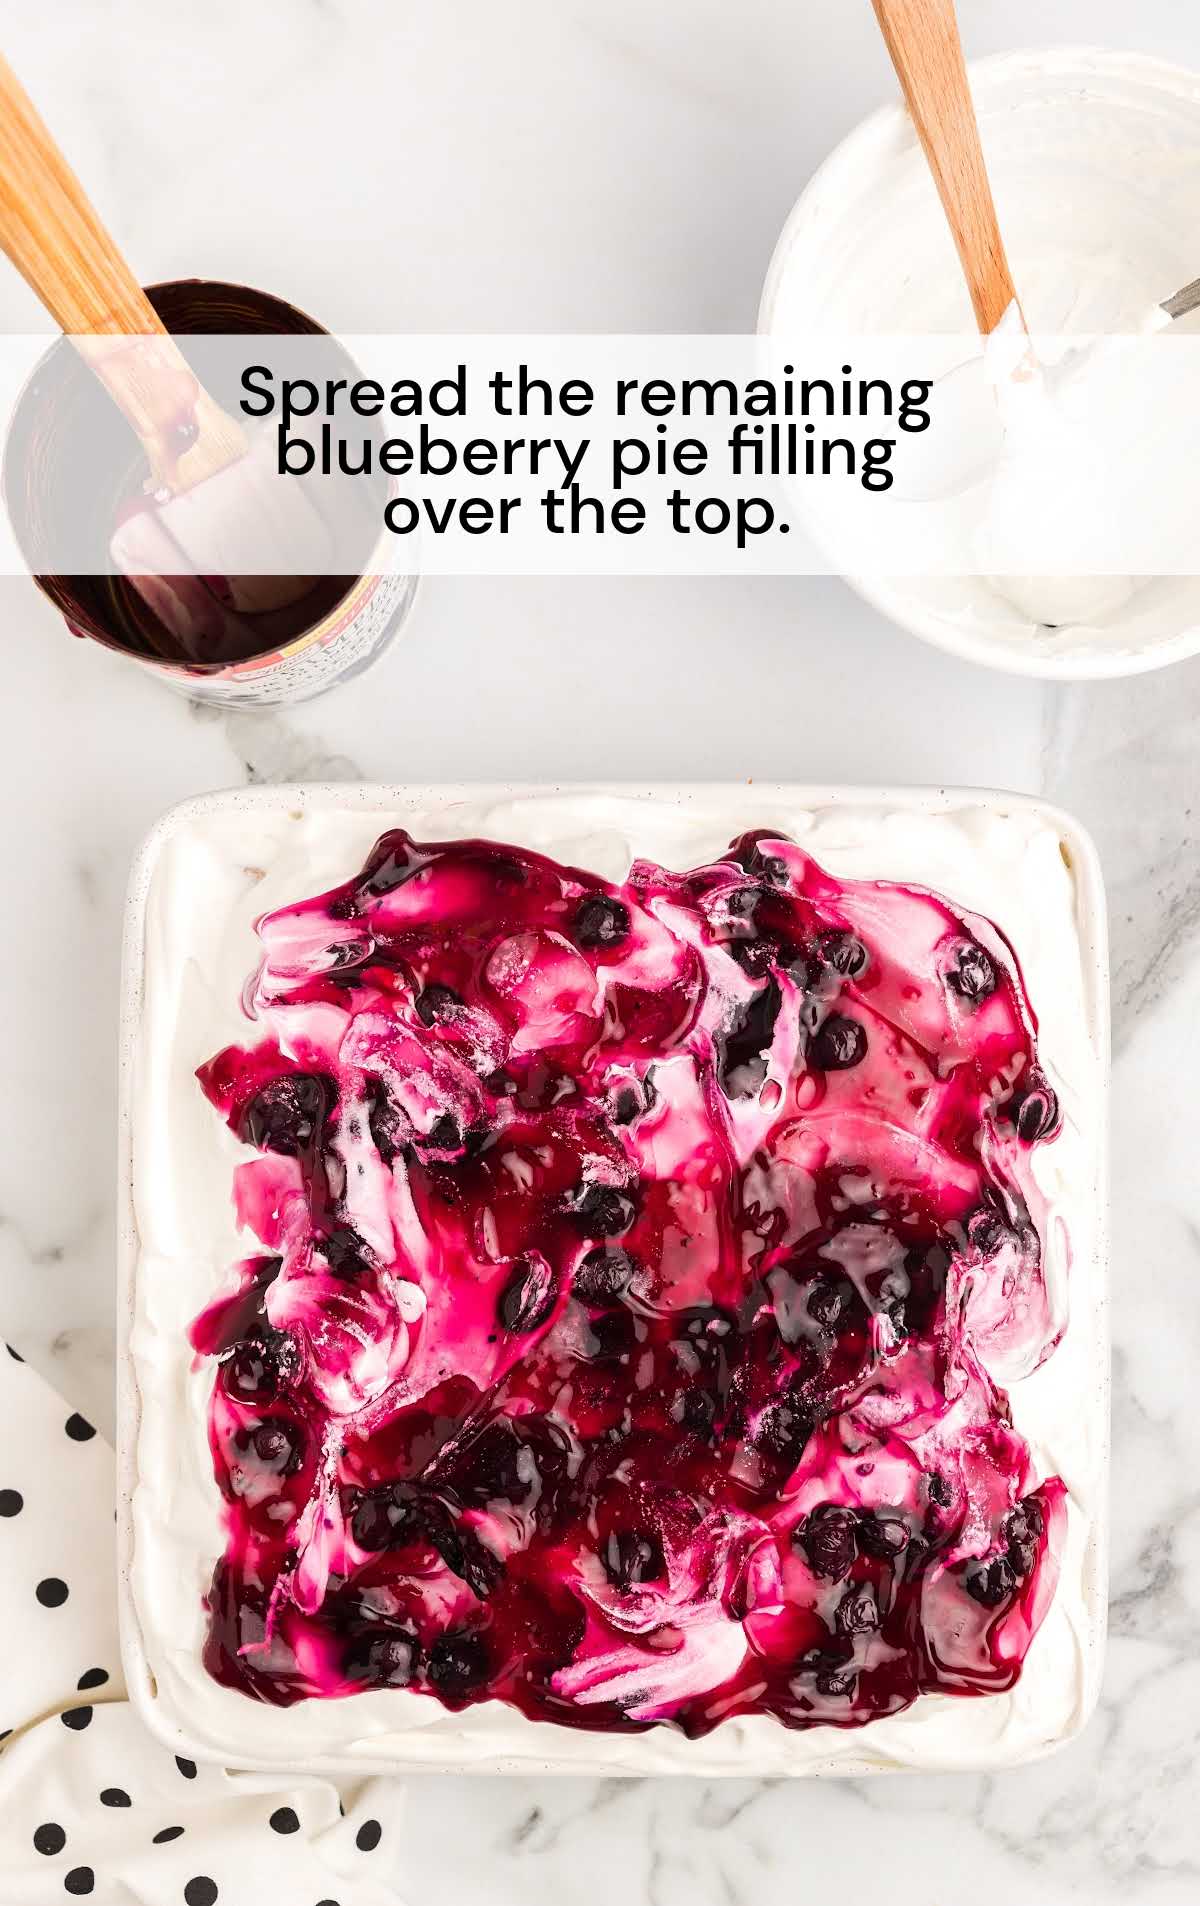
column 91, row 1807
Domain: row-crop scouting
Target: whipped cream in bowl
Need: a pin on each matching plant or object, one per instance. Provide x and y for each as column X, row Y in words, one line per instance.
column 1090, row 157
column 614, row 1283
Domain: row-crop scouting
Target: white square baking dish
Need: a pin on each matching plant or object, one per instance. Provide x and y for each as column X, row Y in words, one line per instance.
column 1008, row 857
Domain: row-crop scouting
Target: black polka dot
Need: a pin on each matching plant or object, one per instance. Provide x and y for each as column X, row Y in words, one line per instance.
column 77, row 1718
column 168, row 1833
column 14, row 1354
column 186, row 1767
column 49, row 1839
column 368, row 1836
column 79, row 1429
column 115, row 1797
column 200, row 1892
column 80, row 1880
column 94, row 1678
column 11, row 1502
column 52, row 1592
column 327, row 1902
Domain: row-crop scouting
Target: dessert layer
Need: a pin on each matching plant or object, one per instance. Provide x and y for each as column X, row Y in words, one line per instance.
column 812, row 1113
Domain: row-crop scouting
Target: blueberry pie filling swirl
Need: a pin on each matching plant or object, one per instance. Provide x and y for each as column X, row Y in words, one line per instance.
column 637, row 1270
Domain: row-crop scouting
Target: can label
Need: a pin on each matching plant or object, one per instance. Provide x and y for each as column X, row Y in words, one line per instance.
column 340, row 646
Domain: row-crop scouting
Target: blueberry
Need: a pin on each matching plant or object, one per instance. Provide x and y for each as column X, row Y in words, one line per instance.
column 276, row 1446
column 458, row 1663
column 346, row 1254
column 611, row 1336
column 445, row 1137
column 743, row 902
column 529, row 1296
column 939, row 1490
column 1028, row 1511
column 971, row 975
column 836, row 1679
column 807, row 971
column 883, row 1534
column 257, row 1368
column 386, row 1518
column 858, row 1612
column 700, row 1347
column 1022, row 1531
column 845, row 952
column 496, row 1465
column 1034, row 1109
column 695, row 1410
column 601, row 921
column 838, row 1044
column 387, row 1660
column 287, row 1113
column 633, row 1097
column 986, row 1231
column 602, row 1211
column 437, row 1002
column 388, row 1127
column 743, row 1047
column 827, row 1538
column 747, row 853
column 603, row 1276
column 460, row 1548
column 990, row 1583
column 828, row 1302
column 347, row 953
column 755, row 957
column 633, row 1555
column 894, row 1287
column 833, row 1673
column 783, row 1430
column 394, row 860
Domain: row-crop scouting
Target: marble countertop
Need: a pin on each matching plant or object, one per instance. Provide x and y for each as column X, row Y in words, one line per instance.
column 557, row 165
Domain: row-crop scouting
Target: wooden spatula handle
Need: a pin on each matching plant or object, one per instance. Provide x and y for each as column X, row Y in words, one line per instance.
column 52, row 234
column 923, row 40
column 54, row 237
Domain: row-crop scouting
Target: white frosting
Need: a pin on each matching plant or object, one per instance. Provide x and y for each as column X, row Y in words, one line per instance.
column 1042, row 494
column 211, row 871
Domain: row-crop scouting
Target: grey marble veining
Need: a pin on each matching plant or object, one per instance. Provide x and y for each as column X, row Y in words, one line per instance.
column 555, row 165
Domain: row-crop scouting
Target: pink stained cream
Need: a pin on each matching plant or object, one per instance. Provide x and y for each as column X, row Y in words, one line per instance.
column 632, row 1264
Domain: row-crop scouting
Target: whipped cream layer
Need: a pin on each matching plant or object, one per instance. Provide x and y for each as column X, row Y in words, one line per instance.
column 634, row 1617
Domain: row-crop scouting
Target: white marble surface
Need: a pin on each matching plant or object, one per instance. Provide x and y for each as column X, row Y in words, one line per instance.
column 550, row 165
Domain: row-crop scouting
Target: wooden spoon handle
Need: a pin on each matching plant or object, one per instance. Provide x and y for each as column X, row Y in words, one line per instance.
column 923, row 41
column 51, row 232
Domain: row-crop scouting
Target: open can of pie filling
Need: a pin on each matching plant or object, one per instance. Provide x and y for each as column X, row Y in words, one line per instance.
column 339, row 626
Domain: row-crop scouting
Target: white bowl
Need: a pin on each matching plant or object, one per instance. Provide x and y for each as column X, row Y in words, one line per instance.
column 1004, row 856
column 1092, row 157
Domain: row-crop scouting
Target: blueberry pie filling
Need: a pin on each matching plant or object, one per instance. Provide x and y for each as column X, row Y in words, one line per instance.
column 632, row 1269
